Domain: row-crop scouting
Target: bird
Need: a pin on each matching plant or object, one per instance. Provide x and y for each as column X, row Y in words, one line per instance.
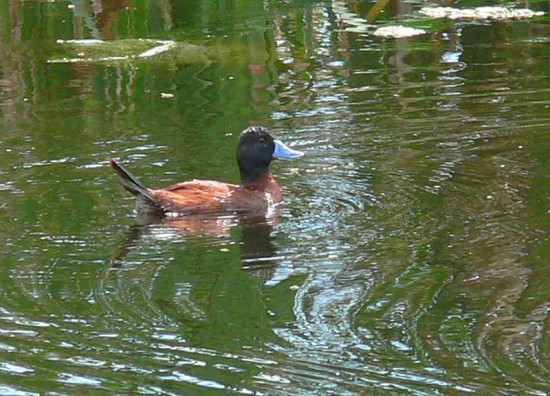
column 258, row 190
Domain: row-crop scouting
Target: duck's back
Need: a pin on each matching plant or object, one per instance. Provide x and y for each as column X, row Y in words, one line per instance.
column 196, row 196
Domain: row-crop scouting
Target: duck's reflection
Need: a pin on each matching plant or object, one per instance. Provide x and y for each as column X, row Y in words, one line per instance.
column 258, row 251
column 203, row 277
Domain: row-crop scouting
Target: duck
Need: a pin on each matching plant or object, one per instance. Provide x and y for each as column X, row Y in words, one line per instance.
column 259, row 190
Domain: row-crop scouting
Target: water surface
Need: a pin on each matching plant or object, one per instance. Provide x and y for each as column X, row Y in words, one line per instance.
column 410, row 257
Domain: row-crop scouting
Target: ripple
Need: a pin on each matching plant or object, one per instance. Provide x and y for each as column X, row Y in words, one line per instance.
column 73, row 379
column 8, row 390
column 181, row 377
column 12, row 368
column 410, row 255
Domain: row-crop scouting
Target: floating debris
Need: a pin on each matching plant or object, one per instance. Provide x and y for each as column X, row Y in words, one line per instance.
column 496, row 13
column 90, row 50
column 161, row 45
column 165, row 46
column 80, row 60
column 398, row 31
column 79, row 41
column 165, row 95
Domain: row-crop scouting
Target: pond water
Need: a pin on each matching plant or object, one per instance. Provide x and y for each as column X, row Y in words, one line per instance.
column 411, row 255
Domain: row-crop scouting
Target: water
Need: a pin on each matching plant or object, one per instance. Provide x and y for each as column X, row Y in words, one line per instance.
column 410, row 257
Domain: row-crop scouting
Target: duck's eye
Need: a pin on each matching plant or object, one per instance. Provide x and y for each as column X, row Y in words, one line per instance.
column 262, row 140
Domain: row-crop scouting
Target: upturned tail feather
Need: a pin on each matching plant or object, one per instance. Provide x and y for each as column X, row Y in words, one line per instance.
column 131, row 183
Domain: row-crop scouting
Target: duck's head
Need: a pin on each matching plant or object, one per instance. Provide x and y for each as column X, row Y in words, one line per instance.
column 256, row 149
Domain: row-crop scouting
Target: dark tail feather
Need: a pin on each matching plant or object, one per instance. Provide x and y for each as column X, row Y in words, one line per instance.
column 131, row 183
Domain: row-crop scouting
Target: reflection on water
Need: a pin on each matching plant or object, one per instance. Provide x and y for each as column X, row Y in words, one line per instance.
column 410, row 256
column 256, row 242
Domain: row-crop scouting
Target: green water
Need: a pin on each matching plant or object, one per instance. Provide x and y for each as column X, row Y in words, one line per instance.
column 411, row 255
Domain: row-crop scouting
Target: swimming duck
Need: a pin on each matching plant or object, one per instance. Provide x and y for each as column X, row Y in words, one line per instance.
column 258, row 189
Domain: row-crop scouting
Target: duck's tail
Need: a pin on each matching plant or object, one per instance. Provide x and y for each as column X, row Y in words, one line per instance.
column 132, row 184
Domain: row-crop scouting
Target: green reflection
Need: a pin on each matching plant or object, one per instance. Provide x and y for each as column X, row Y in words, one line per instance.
column 411, row 255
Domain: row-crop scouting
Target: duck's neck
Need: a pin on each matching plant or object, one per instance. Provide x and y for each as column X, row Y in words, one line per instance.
column 253, row 174
column 257, row 180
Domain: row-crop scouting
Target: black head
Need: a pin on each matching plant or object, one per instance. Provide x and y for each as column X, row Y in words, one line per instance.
column 255, row 152
column 257, row 148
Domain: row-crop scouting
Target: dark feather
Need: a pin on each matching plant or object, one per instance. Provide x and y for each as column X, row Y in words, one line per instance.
column 131, row 183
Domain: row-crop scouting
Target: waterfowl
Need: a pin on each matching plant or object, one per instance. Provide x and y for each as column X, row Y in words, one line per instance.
column 258, row 189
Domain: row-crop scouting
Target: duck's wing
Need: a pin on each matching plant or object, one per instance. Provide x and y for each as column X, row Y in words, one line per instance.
column 195, row 197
